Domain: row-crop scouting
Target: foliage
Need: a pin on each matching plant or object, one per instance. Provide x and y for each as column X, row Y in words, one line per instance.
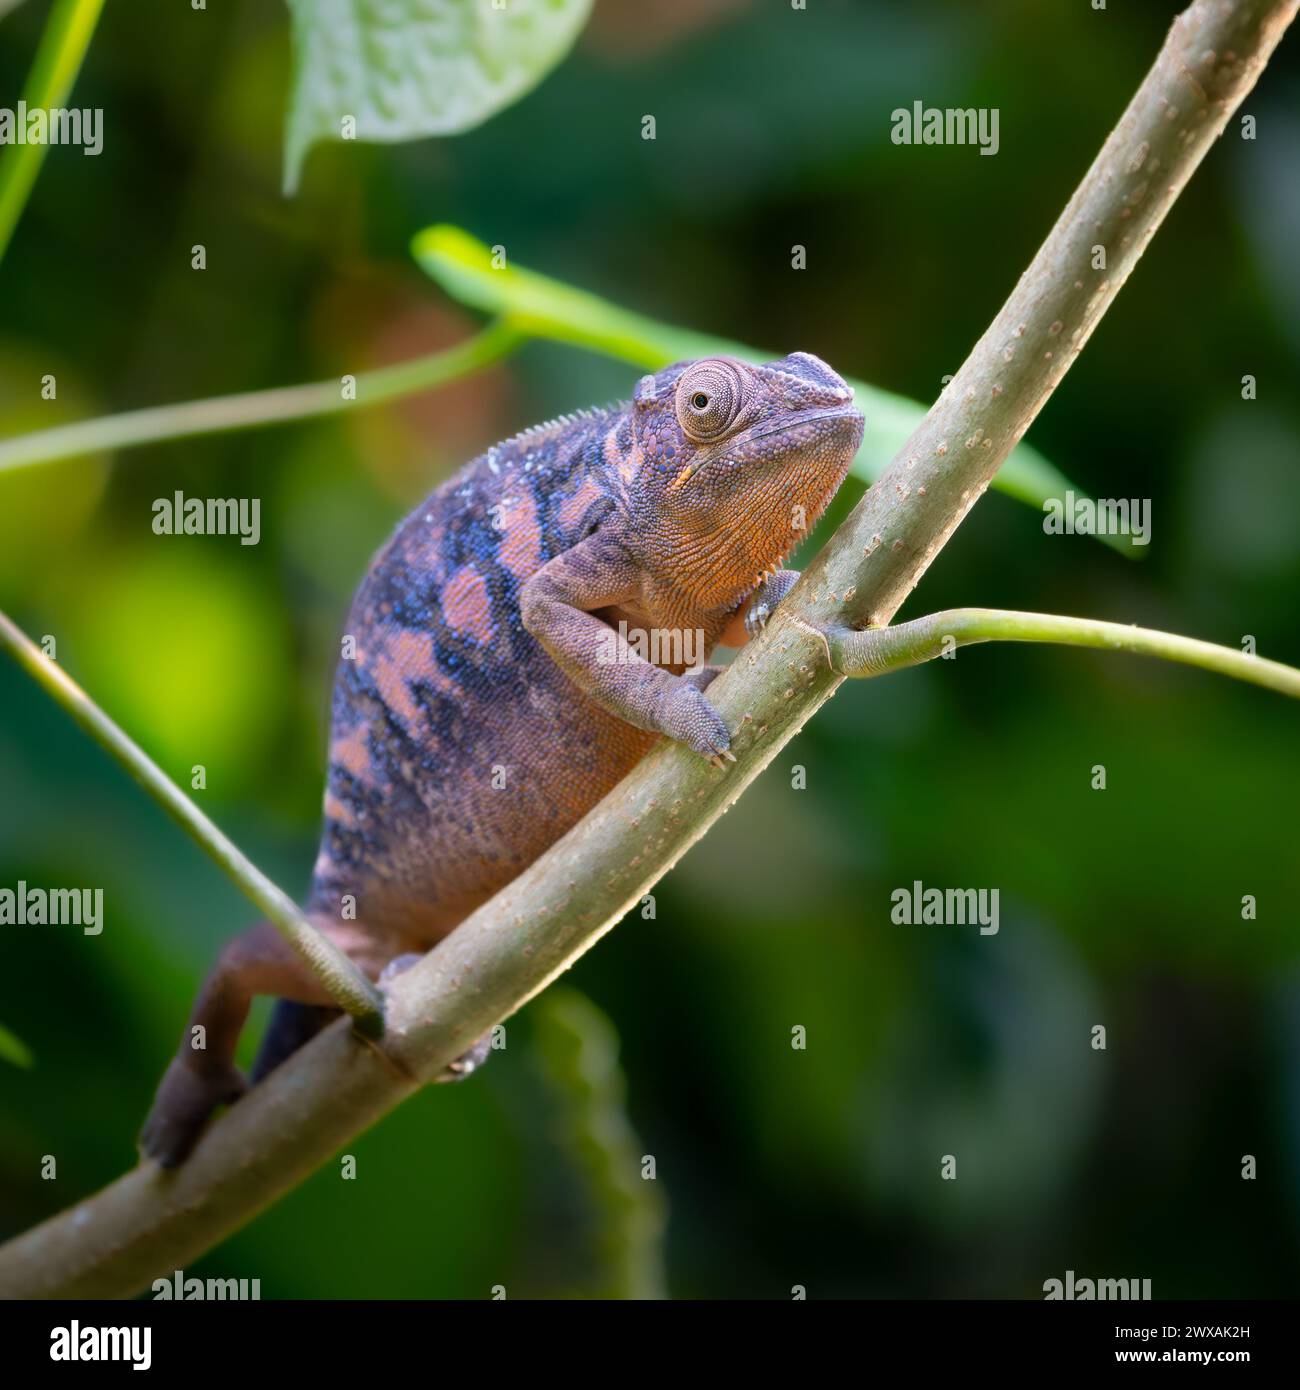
column 400, row 69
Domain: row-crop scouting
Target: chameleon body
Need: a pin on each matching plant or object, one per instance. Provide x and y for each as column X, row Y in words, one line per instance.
column 493, row 685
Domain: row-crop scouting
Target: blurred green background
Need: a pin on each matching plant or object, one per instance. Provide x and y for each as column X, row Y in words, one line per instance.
column 1121, row 907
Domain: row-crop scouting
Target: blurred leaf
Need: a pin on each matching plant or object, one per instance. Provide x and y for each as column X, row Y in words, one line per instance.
column 1244, row 453
column 1006, row 1041
column 464, row 267
column 13, row 1049
column 578, row 1049
column 402, row 69
column 42, row 515
column 69, row 27
column 1268, row 203
column 179, row 645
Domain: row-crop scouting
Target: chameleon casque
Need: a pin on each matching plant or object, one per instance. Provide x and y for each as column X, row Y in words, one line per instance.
column 496, row 693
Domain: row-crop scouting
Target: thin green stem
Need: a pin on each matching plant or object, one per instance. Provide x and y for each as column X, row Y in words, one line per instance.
column 345, row 983
column 253, row 408
column 877, row 650
column 58, row 60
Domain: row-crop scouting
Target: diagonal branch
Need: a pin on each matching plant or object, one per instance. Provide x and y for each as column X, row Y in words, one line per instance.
column 510, row 949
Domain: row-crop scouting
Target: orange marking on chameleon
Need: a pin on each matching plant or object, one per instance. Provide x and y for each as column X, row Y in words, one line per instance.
column 406, row 656
column 467, row 605
column 351, row 751
column 338, row 810
column 574, row 507
column 443, row 683
column 521, row 543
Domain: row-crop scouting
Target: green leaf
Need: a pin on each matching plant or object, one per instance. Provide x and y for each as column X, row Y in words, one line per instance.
column 13, row 1049
column 402, row 69
column 540, row 306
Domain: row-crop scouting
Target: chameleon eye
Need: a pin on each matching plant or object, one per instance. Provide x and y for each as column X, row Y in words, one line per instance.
column 708, row 399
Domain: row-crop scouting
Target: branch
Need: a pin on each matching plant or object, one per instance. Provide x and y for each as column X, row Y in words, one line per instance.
column 513, row 946
column 345, row 983
column 877, row 651
column 58, row 61
column 252, row 408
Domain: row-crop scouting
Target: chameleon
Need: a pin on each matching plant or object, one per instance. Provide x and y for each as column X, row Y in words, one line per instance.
column 493, row 685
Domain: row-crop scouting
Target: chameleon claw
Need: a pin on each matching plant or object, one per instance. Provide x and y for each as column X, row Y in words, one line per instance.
column 729, row 755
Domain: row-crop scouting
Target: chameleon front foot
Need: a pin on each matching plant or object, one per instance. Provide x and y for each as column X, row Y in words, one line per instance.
column 690, row 719
column 763, row 602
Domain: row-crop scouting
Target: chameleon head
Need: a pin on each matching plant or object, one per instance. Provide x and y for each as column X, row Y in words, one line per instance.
column 736, row 462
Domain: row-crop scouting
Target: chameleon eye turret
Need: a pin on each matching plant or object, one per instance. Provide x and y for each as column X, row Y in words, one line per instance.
column 709, row 397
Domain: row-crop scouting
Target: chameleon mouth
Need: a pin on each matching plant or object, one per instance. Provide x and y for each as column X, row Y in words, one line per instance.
column 805, row 417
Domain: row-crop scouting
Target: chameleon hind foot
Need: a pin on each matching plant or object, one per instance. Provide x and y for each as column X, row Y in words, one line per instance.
column 202, row 1075
column 468, row 1062
column 186, row 1098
